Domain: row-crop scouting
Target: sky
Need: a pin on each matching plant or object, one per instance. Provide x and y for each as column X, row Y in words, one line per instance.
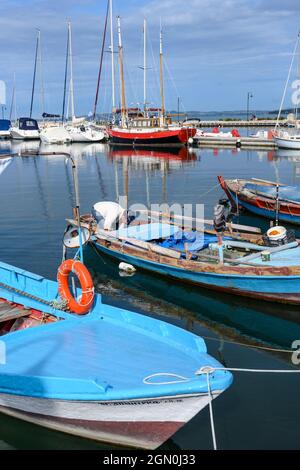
column 215, row 52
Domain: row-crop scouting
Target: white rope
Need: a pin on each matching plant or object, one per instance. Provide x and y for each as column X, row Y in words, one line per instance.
column 209, row 190
column 204, row 370
column 211, row 414
column 159, row 374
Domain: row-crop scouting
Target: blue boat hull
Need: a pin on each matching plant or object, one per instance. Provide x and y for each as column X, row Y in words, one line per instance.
column 269, row 214
column 111, row 375
column 285, row 289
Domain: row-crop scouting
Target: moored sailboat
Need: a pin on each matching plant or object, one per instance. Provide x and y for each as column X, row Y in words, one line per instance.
column 143, row 129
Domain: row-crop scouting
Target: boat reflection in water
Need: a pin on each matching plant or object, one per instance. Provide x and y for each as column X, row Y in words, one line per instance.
column 234, row 318
column 145, row 157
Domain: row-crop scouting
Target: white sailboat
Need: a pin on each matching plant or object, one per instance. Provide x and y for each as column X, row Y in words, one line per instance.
column 288, row 139
column 78, row 129
column 58, row 134
column 27, row 128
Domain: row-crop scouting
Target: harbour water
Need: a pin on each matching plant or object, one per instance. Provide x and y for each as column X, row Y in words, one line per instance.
column 259, row 411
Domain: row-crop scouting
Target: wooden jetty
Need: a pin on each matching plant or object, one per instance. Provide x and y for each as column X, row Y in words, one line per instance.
column 241, row 123
column 239, row 142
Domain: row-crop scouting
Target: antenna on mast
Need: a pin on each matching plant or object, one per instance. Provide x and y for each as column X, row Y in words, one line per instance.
column 161, row 76
column 34, row 71
column 101, row 62
column 123, row 105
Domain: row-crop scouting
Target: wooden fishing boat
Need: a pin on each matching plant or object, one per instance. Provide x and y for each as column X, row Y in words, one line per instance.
column 237, row 266
column 260, row 197
column 110, row 375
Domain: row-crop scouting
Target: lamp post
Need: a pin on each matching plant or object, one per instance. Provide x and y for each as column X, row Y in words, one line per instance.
column 249, row 95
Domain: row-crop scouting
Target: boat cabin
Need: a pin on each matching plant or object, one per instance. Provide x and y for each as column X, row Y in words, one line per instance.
column 28, row 124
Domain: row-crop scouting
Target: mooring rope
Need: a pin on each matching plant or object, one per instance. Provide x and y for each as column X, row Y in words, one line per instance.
column 247, row 345
column 25, row 294
column 207, row 370
column 56, row 304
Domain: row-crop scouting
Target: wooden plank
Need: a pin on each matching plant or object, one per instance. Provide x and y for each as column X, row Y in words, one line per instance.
column 12, row 313
column 245, row 228
column 75, row 223
column 271, row 183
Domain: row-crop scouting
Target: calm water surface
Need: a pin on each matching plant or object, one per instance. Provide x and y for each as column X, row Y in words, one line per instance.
column 258, row 411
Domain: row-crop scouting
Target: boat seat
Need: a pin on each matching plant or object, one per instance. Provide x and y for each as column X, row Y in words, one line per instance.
column 9, row 312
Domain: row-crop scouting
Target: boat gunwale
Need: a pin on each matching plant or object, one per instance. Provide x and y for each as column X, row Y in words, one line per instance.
column 199, row 266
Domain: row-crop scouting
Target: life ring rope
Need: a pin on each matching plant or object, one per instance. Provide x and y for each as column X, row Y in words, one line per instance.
column 86, row 300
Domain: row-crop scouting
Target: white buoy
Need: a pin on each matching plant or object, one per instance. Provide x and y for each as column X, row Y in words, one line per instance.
column 128, row 268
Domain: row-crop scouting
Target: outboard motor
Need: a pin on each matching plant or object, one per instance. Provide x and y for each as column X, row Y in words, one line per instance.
column 219, row 218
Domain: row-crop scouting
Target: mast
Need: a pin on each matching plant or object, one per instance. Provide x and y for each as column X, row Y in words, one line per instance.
column 287, row 81
column 101, row 62
column 161, row 78
column 112, row 56
column 145, row 65
column 65, row 80
column 123, row 105
column 34, row 71
column 13, row 100
column 71, row 70
column 41, row 78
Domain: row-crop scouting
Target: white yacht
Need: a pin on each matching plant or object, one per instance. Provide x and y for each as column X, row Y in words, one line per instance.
column 25, row 129
column 55, row 135
column 85, row 133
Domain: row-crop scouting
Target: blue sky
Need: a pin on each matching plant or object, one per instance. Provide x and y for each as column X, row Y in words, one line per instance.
column 215, row 51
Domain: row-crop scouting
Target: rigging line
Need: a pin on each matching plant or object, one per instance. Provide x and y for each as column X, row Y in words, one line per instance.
column 174, row 84
column 252, row 346
column 101, row 62
column 34, row 72
column 132, row 88
column 287, row 81
column 12, row 98
column 65, row 81
column 155, row 69
column 42, row 78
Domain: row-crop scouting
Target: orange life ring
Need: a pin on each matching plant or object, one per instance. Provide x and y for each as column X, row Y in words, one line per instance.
column 87, row 295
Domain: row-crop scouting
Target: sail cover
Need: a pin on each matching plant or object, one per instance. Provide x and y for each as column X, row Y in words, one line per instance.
column 5, row 124
column 28, row 124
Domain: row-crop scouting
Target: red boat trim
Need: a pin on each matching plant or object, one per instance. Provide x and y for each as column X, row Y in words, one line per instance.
column 138, row 434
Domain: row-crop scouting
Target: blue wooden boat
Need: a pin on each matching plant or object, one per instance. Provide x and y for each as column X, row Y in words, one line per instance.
column 259, row 197
column 110, row 375
column 193, row 259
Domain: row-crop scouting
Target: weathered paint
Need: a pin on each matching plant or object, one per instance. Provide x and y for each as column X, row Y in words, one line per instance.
column 280, row 284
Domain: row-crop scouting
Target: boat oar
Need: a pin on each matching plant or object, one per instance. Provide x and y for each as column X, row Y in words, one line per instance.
column 139, row 243
column 170, row 217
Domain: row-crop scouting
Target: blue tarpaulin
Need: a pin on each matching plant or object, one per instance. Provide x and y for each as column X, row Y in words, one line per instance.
column 147, row 232
column 285, row 192
column 192, row 241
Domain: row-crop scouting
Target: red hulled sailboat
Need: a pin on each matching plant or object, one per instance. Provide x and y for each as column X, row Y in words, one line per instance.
column 150, row 127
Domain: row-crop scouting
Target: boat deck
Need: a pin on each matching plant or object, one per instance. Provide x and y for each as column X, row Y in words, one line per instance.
column 80, row 359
